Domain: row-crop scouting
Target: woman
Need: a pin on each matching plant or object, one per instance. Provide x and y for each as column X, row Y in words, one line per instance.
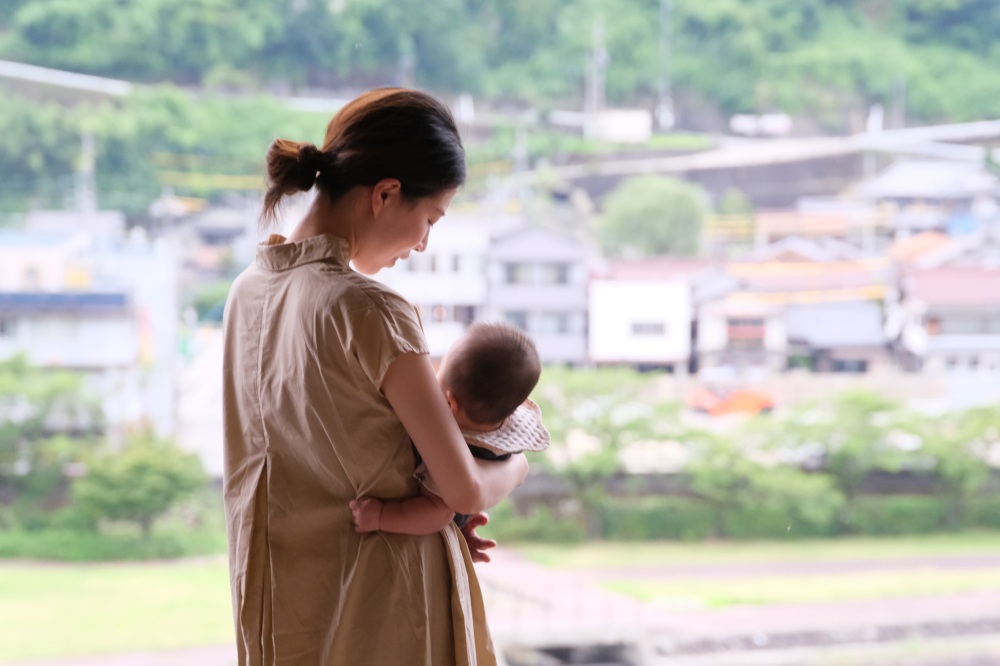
column 328, row 388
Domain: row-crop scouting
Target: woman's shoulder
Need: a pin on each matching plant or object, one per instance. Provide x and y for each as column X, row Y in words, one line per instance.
column 366, row 292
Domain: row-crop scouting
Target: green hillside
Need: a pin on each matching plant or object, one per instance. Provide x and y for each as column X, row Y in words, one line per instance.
column 824, row 61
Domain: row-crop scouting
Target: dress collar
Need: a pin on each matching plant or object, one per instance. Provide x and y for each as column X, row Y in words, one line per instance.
column 278, row 254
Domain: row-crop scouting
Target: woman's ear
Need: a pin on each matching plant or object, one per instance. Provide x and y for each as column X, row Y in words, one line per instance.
column 383, row 192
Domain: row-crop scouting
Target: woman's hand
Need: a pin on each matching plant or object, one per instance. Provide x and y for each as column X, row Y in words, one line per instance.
column 477, row 544
column 366, row 511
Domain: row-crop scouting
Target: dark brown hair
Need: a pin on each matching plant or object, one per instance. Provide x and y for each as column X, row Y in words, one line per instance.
column 492, row 371
column 383, row 133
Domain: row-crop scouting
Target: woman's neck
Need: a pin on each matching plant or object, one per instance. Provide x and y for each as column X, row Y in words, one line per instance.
column 329, row 217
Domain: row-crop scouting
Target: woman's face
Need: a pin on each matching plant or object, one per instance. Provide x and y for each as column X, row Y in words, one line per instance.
column 400, row 226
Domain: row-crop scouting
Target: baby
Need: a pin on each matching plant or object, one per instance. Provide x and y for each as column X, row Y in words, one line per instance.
column 486, row 376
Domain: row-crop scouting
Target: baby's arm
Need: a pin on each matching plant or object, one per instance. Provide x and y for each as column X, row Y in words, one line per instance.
column 425, row 514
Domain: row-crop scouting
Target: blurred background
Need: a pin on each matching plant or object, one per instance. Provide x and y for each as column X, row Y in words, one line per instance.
column 757, row 244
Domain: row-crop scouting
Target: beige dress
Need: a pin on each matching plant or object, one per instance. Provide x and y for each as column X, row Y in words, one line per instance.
column 307, row 343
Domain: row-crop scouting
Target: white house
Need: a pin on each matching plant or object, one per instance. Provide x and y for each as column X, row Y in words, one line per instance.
column 537, row 279
column 447, row 282
column 642, row 313
column 103, row 305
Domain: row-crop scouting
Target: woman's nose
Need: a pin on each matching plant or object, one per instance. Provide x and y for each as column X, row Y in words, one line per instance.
column 422, row 245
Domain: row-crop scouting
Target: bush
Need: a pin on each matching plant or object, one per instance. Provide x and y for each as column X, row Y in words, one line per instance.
column 69, row 545
column 984, row 512
column 898, row 514
column 639, row 518
column 540, row 524
column 139, row 483
column 787, row 503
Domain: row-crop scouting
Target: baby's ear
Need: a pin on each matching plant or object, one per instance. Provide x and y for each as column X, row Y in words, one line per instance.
column 452, row 402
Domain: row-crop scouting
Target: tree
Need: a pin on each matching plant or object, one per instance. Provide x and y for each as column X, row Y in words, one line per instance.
column 958, row 444
column 139, row 483
column 847, row 437
column 47, row 422
column 653, row 215
column 591, row 415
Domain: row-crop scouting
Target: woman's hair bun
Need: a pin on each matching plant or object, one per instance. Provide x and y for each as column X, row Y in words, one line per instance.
column 310, row 161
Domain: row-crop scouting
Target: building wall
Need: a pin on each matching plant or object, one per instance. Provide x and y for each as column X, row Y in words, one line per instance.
column 78, row 340
column 639, row 322
column 537, row 280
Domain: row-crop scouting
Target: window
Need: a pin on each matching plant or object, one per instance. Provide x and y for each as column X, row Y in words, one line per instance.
column 518, row 318
column 962, row 325
column 465, row 314
column 6, row 328
column 517, row 273
column 32, row 278
column 554, row 273
column 552, row 322
column 649, row 328
column 745, row 328
column 745, row 334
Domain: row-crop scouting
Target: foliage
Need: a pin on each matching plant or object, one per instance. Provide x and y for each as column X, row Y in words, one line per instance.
column 208, row 300
column 591, row 415
column 73, row 545
column 154, row 139
column 727, row 55
column 957, row 445
column 138, row 483
column 539, row 524
column 848, row 437
column 653, row 215
column 47, row 422
column 654, row 517
column 898, row 514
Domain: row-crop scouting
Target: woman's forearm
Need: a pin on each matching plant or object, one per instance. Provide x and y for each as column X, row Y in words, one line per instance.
column 497, row 479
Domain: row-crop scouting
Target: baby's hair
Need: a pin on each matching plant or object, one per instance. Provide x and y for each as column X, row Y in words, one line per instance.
column 492, row 371
column 383, row 133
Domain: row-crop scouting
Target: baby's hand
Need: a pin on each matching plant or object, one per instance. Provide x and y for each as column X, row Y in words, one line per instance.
column 366, row 511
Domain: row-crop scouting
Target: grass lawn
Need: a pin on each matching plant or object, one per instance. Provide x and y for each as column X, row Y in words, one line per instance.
column 52, row 610
column 768, row 588
column 672, row 553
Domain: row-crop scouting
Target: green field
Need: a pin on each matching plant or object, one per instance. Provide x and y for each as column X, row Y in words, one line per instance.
column 50, row 610
column 669, row 553
column 53, row 610
column 799, row 589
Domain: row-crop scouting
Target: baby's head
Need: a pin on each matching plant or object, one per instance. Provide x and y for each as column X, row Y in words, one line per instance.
column 488, row 373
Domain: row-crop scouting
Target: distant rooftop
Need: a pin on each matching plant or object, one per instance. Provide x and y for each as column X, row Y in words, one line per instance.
column 926, row 179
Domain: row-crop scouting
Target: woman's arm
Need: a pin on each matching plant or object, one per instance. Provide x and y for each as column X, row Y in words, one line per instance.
column 466, row 484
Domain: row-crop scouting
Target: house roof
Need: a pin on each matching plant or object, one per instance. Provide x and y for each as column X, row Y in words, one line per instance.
column 914, row 247
column 826, row 325
column 930, row 179
column 657, row 268
column 793, row 248
column 949, row 286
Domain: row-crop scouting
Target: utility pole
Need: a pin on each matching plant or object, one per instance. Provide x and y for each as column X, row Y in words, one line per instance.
column 665, row 105
column 86, row 186
column 595, row 93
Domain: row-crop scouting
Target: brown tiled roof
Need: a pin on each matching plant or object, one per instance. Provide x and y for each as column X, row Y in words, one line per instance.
column 914, row 247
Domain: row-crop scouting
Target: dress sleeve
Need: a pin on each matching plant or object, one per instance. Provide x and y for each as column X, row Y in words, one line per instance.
column 387, row 329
